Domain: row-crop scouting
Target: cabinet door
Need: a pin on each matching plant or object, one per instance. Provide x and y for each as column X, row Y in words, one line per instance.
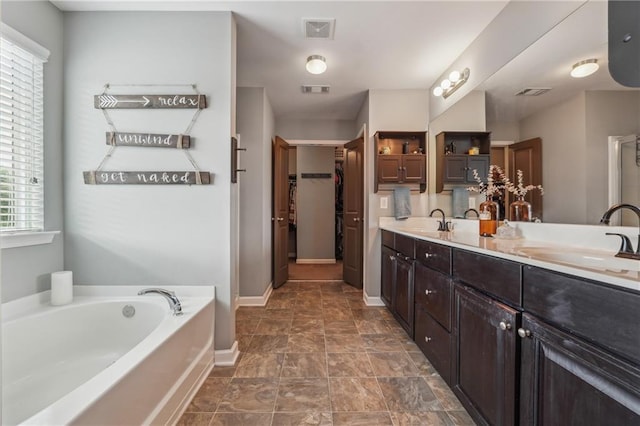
column 479, row 163
column 390, row 168
column 433, row 294
column 414, row 167
column 455, row 169
column 403, row 295
column 566, row 381
column 388, row 268
column 484, row 372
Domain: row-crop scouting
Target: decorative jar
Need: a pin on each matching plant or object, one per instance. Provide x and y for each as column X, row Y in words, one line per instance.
column 520, row 210
column 489, row 214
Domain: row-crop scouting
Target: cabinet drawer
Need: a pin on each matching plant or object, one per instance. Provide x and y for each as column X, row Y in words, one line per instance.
column 435, row 342
column 433, row 294
column 388, row 239
column 434, row 255
column 405, row 245
column 499, row 277
column 606, row 316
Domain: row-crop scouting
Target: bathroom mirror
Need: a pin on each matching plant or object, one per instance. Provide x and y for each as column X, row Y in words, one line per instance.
column 535, row 96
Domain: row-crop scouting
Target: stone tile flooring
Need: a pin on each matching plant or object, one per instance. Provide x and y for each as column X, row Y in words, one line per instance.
column 317, row 355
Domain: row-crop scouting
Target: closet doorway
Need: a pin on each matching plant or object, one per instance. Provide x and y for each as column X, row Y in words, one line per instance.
column 315, row 187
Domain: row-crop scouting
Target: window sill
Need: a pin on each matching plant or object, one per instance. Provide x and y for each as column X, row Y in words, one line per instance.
column 24, row 239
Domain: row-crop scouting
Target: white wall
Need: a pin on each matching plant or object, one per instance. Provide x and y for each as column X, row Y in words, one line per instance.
column 26, row 270
column 146, row 234
column 315, row 204
column 315, row 129
column 468, row 114
column 388, row 110
column 564, row 176
column 255, row 128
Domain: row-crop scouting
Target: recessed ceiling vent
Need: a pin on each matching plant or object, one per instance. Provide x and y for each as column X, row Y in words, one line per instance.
column 533, row 91
column 315, row 89
column 318, row 28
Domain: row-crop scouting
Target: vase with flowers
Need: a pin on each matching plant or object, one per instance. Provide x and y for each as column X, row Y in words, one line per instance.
column 520, row 209
column 488, row 211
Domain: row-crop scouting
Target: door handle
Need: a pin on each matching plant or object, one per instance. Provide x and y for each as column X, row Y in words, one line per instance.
column 280, row 219
column 504, row 325
column 356, row 219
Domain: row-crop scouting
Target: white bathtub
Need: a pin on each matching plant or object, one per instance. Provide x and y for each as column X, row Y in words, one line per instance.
column 86, row 363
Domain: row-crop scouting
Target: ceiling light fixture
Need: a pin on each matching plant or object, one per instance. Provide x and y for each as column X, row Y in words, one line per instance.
column 584, row 68
column 316, row 64
column 451, row 84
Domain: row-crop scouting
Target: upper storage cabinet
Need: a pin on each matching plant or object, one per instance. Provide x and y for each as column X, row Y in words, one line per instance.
column 400, row 158
column 458, row 154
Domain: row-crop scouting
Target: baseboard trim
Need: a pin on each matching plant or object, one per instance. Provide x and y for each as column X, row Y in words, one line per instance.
column 315, row 261
column 372, row 300
column 256, row 300
column 226, row 357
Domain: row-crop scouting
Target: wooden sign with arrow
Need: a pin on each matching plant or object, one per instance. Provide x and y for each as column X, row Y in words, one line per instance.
column 106, row 101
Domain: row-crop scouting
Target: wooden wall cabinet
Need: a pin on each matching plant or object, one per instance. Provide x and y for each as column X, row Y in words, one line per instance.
column 400, row 158
column 454, row 164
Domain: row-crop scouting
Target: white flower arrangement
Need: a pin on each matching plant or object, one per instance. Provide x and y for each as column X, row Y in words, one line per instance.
column 491, row 187
column 520, row 189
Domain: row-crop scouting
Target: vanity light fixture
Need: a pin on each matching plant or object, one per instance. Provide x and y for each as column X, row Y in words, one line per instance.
column 451, row 84
column 316, row 64
column 584, row 68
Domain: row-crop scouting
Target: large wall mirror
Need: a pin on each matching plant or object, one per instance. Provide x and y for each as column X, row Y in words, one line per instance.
column 574, row 117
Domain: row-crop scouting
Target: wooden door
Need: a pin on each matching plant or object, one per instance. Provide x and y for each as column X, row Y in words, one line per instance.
column 414, row 168
column 390, row 168
column 455, row 169
column 280, row 218
column 480, row 163
column 527, row 156
column 353, row 213
column 484, row 371
column 403, row 297
column 566, row 381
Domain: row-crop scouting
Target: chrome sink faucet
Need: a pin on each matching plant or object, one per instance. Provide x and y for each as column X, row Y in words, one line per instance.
column 443, row 225
column 174, row 303
column 626, row 248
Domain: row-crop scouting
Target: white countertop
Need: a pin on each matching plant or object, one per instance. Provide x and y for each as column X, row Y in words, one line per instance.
column 538, row 245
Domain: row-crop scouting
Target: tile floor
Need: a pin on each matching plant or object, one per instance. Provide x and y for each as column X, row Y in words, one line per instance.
column 317, row 355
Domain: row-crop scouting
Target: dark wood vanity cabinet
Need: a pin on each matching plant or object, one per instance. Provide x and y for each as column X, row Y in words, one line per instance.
column 397, row 269
column 401, row 158
column 485, row 356
column 566, row 381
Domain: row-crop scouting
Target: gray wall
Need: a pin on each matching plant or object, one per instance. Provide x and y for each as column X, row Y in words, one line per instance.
column 315, row 129
column 315, row 204
column 255, row 126
column 26, row 270
column 146, row 234
column 388, row 110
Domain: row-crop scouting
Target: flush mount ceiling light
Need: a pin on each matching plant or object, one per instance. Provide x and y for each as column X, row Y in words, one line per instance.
column 584, row 68
column 316, row 64
column 451, row 84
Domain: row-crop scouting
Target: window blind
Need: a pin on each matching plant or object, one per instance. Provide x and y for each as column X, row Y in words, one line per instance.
column 21, row 138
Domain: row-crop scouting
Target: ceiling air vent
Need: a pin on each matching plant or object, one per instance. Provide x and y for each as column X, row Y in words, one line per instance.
column 318, row 28
column 533, row 91
column 315, row 89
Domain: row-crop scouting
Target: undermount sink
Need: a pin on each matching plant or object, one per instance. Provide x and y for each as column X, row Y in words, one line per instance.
column 584, row 258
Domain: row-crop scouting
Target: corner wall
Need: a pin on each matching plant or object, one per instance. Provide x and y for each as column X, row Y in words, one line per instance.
column 26, row 270
column 151, row 235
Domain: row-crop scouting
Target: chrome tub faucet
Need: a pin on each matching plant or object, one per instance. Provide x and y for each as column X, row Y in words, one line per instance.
column 170, row 296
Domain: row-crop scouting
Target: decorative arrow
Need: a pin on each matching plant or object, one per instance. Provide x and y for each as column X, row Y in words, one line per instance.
column 105, row 101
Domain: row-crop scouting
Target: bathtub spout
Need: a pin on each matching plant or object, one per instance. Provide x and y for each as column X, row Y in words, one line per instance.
column 174, row 303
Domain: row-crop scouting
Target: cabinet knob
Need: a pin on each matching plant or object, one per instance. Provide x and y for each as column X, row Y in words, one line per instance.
column 505, row 325
column 392, row 258
column 429, row 255
column 428, row 292
column 356, row 219
column 524, row 333
column 427, row 339
column 407, row 258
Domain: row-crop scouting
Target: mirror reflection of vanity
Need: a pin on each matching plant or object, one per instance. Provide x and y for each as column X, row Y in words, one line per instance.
column 574, row 118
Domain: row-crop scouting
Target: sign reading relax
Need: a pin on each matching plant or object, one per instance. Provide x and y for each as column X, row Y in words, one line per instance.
column 106, row 101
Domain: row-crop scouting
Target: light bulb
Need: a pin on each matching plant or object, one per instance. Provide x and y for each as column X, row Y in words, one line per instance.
column 585, row 68
column 454, row 76
column 445, row 84
column 316, row 64
column 437, row 91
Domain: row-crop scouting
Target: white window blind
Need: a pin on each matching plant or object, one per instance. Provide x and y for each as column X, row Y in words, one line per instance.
column 21, row 136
